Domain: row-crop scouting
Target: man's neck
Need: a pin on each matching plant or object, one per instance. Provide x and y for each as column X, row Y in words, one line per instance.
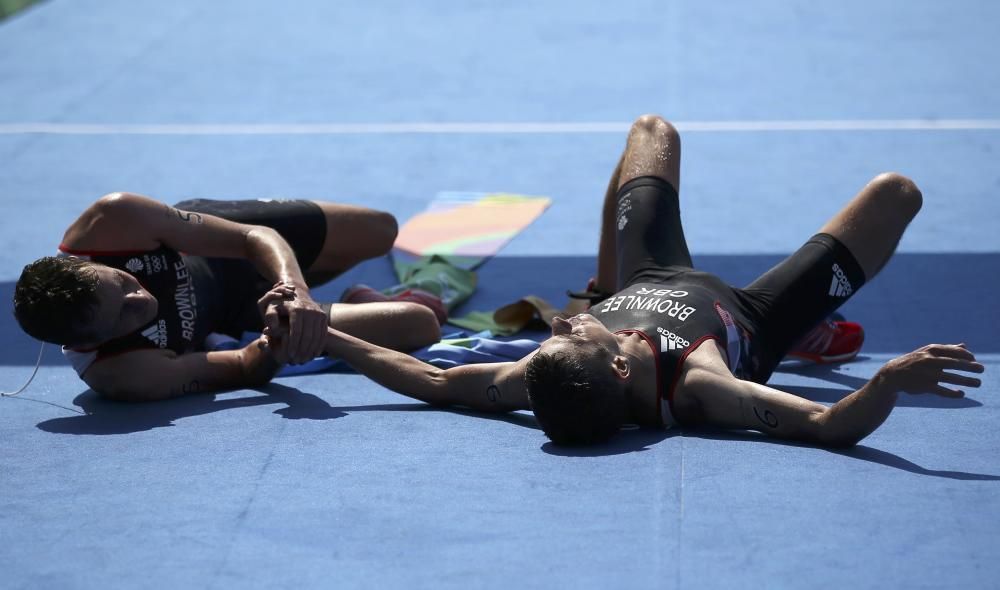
column 642, row 392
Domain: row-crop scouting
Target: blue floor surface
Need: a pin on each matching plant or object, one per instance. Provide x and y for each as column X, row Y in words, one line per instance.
column 330, row 481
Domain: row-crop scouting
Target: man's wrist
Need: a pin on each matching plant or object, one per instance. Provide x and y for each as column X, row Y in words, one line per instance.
column 299, row 284
column 334, row 343
column 885, row 384
column 259, row 363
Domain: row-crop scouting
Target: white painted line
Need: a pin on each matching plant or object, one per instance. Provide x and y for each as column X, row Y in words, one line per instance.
column 491, row 128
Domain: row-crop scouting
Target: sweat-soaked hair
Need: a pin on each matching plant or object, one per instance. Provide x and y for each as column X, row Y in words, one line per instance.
column 575, row 403
column 55, row 298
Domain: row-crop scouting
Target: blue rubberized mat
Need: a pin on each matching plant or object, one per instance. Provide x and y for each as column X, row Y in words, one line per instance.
column 331, row 481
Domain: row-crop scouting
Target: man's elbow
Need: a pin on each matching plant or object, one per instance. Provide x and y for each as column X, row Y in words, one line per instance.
column 439, row 388
column 832, row 435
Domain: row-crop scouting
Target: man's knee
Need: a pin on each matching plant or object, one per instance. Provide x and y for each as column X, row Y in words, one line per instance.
column 897, row 193
column 421, row 326
column 653, row 149
column 655, row 125
column 384, row 230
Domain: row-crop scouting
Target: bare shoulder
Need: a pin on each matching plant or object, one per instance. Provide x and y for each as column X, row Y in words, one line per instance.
column 114, row 222
column 704, row 378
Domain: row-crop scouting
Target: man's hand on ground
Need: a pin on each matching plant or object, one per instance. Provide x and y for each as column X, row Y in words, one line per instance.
column 925, row 369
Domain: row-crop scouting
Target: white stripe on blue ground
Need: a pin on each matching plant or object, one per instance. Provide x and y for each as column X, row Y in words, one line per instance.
column 491, row 128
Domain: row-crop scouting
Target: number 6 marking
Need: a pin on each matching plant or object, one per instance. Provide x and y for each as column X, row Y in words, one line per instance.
column 768, row 418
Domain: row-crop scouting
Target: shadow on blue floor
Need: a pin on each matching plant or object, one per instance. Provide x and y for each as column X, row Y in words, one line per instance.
column 99, row 416
column 850, row 383
column 860, row 452
column 105, row 417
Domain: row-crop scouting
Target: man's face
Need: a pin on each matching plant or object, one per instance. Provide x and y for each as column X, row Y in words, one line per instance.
column 123, row 306
column 568, row 335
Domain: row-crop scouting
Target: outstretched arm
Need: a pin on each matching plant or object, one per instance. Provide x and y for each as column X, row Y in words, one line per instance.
column 732, row 403
column 488, row 387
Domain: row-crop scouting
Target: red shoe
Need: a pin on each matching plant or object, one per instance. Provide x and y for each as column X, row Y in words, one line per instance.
column 361, row 293
column 830, row 342
column 425, row 298
column 365, row 294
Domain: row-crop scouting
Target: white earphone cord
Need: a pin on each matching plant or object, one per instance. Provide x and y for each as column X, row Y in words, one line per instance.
column 38, row 363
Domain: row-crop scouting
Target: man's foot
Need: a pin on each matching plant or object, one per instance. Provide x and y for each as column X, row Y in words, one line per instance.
column 832, row 341
column 365, row 294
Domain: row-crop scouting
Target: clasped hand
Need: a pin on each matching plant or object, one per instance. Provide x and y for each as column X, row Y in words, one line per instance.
column 294, row 324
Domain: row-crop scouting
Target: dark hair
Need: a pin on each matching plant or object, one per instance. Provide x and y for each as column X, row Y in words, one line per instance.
column 55, row 297
column 576, row 404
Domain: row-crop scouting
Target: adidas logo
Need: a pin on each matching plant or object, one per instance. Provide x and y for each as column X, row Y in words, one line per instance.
column 840, row 286
column 671, row 341
column 157, row 334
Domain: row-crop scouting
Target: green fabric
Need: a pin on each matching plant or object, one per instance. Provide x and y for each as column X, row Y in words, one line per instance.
column 439, row 275
column 481, row 320
column 435, row 274
column 9, row 7
column 466, row 342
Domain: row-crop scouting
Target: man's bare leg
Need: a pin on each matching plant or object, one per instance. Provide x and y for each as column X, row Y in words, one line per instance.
column 872, row 223
column 398, row 325
column 607, row 259
column 653, row 149
column 353, row 234
column 870, row 227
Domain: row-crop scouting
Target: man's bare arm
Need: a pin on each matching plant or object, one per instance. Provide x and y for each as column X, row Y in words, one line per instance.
column 488, row 387
column 149, row 375
column 732, row 403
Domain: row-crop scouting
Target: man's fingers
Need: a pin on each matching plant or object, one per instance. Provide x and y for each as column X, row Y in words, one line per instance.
column 270, row 297
column 272, row 319
column 312, row 346
column 305, row 339
column 952, row 351
column 959, row 380
column 294, row 338
column 955, row 364
column 945, row 392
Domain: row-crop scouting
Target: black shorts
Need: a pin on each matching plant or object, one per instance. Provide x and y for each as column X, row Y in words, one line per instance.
column 776, row 310
column 301, row 223
column 650, row 237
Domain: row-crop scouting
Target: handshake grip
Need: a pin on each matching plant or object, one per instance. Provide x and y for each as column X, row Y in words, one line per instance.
column 294, row 325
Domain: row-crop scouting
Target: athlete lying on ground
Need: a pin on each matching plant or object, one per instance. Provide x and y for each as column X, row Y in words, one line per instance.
column 139, row 285
column 674, row 346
